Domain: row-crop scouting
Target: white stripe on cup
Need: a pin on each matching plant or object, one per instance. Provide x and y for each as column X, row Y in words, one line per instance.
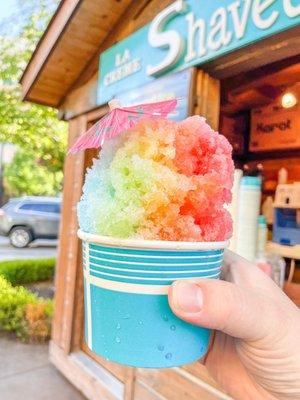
column 157, row 256
column 88, row 299
column 167, row 271
column 158, row 264
column 147, row 279
column 128, row 287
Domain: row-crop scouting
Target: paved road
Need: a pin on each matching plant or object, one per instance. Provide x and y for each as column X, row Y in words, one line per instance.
column 37, row 249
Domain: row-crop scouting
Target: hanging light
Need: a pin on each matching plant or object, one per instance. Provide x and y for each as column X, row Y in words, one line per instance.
column 288, row 100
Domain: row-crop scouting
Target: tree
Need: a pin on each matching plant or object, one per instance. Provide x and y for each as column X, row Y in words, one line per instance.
column 35, row 129
column 20, row 180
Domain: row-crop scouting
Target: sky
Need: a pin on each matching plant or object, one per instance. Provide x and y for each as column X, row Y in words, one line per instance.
column 7, row 8
column 8, row 16
column 14, row 12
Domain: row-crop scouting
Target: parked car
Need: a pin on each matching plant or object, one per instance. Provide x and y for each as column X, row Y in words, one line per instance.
column 28, row 218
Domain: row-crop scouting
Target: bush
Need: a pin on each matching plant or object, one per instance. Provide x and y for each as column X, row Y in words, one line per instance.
column 38, row 318
column 27, row 271
column 23, row 313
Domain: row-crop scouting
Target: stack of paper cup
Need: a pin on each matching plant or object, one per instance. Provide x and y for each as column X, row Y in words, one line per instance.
column 127, row 315
column 233, row 207
column 248, row 212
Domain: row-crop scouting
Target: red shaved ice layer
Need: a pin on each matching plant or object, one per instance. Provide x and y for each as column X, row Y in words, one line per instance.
column 162, row 180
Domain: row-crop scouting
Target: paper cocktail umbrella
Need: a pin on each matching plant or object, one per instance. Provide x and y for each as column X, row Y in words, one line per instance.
column 120, row 119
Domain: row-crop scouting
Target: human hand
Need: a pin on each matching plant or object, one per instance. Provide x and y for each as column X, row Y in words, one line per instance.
column 256, row 349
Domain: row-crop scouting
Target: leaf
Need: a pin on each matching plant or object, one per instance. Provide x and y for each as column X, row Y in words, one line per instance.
column 35, row 129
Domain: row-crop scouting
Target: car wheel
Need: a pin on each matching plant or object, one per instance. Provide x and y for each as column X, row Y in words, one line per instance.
column 20, row 236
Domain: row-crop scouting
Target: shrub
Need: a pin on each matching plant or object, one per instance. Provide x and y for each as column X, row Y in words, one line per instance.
column 27, row 271
column 38, row 318
column 13, row 301
column 20, row 311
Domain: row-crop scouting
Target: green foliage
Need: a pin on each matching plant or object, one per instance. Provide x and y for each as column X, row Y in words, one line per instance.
column 33, row 128
column 23, row 313
column 13, row 301
column 27, row 271
column 24, row 176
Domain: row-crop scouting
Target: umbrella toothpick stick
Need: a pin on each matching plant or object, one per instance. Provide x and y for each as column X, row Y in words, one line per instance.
column 113, row 104
column 119, row 119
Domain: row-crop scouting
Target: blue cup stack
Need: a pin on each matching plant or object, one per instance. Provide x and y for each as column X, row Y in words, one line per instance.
column 127, row 316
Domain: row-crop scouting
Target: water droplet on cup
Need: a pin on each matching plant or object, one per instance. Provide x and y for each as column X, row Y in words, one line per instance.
column 118, row 340
column 165, row 318
column 141, row 323
column 118, row 326
column 168, row 356
column 126, row 316
column 173, row 328
column 160, row 347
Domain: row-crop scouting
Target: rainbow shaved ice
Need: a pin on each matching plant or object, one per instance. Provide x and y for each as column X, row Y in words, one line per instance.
column 161, row 180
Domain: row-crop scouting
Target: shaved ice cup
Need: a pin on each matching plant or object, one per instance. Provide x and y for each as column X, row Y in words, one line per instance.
column 127, row 316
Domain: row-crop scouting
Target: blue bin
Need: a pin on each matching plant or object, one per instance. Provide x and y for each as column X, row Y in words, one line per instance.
column 127, row 316
column 285, row 228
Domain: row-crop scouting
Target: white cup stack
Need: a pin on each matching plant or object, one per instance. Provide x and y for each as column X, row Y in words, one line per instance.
column 248, row 212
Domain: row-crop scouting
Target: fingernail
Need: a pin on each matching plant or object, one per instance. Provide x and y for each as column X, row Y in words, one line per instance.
column 187, row 297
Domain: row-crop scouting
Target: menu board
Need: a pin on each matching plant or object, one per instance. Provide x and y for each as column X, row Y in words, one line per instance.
column 178, row 85
column 274, row 128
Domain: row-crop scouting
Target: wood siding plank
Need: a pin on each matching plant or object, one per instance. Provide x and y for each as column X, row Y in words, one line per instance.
column 69, row 252
column 177, row 385
column 86, row 375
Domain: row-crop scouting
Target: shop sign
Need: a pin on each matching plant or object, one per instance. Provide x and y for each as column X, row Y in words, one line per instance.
column 278, row 130
column 189, row 33
column 177, row 85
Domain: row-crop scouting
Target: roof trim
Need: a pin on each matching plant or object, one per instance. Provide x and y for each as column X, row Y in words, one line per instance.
column 46, row 45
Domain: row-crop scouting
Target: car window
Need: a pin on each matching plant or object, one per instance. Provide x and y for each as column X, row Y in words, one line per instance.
column 42, row 207
column 57, row 208
column 26, row 207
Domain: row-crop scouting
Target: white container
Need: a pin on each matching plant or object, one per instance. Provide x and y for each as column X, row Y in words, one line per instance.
column 268, row 209
column 248, row 212
column 233, row 207
column 262, row 236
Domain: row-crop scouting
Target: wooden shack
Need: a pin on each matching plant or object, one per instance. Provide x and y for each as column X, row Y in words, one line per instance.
column 246, row 68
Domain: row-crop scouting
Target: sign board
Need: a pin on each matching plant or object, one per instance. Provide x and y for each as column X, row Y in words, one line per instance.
column 189, row 33
column 178, row 85
column 277, row 130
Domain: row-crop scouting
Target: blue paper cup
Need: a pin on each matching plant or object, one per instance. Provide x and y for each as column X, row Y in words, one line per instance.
column 127, row 316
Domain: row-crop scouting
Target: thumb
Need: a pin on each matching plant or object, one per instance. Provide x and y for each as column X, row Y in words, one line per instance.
column 240, row 312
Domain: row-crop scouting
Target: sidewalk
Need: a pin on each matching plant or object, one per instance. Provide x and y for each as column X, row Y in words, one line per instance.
column 25, row 373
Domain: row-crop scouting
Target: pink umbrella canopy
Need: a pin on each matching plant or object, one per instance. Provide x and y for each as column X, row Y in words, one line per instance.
column 120, row 119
